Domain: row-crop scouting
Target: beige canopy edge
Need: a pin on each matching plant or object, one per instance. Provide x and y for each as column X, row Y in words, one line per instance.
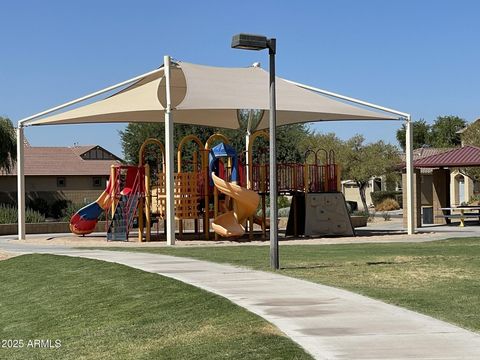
column 210, row 96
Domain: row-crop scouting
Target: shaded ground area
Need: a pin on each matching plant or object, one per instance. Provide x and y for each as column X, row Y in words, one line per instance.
column 440, row 278
column 102, row 310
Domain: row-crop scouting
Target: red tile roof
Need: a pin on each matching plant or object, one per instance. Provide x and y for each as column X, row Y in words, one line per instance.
column 422, row 152
column 428, row 151
column 82, row 149
column 62, row 161
column 459, row 157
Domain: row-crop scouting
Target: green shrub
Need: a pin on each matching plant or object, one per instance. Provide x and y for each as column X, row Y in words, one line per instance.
column 9, row 215
column 73, row 208
column 379, row 196
column 70, row 210
column 283, row 202
column 474, row 200
column 58, row 208
column 282, row 212
column 40, row 205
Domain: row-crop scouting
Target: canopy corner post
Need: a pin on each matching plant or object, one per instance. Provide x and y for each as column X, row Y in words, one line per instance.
column 21, row 181
column 409, row 166
column 169, row 129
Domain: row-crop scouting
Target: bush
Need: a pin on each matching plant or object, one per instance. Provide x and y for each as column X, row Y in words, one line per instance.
column 58, row 208
column 387, row 205
column 283, row 202
column 282, row 212
column 474, row 200
column 40, row 205
column 369, row 215
column 9, row 215
column 379, row 196
column 73, row 208
column 70, row 210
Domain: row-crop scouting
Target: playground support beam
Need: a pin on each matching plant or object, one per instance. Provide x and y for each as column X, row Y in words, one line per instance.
column 409, row 166
column 21, row 181
column 169, row 156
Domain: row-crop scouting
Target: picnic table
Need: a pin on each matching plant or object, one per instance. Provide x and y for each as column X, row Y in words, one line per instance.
column 465, row 213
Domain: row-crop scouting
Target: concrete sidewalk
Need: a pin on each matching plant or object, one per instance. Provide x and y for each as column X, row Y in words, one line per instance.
column 329, row 323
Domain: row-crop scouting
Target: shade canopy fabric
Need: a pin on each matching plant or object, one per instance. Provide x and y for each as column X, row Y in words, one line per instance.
column 211, row 96
column 467, row 156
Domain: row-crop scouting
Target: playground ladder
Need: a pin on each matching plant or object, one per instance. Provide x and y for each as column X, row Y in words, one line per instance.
column 118, row 226
column 123, row 217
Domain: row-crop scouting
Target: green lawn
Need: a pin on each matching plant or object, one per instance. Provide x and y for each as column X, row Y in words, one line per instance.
column 440, row 278
column 101, row 310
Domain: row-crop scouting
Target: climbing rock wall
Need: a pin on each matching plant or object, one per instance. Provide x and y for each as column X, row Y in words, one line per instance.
column 327, row 214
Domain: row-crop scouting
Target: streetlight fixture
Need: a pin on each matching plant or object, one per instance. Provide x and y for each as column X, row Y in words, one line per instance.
column 260, row 42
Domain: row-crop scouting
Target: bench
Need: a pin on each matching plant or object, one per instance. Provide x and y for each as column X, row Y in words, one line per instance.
column 461, row 217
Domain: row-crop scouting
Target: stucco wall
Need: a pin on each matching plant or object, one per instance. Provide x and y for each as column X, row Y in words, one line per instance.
column 78, row 189
column 353, row 194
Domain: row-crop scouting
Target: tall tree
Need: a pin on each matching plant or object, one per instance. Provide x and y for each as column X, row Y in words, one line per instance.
column 8, row 148
column 359, row 161
column 444, row 131
column 288, row 138
column 471, row 136
column 362, row 162
column 421, row 134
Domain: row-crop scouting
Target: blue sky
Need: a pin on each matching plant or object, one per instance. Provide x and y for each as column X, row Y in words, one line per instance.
column 420, row 57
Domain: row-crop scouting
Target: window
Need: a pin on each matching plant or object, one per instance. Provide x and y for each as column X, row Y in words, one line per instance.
column 61, row 181
column 97, row 181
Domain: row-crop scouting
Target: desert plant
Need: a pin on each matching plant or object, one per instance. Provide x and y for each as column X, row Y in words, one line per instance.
column 387, row 205
column 40, row 205
column 379, row 196
column 9, row 215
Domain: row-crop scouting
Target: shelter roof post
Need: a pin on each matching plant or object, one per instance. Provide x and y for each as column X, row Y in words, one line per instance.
column 409, row 166
column 21, row 182
column 169, row 157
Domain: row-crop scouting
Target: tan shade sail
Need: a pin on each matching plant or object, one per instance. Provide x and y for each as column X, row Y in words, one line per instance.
column 210, row 96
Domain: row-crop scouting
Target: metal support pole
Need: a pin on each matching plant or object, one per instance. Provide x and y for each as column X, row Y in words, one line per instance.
column 169, row 157
column 21, row 182
column 274, row 256
column 409, row 165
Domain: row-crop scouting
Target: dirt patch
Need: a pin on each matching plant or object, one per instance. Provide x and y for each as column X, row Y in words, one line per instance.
column 5, row 255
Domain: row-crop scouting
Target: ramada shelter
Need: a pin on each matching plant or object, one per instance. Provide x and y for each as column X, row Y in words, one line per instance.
column 440, row 182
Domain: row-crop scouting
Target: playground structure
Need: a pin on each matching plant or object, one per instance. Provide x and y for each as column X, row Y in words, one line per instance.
column 214, row 184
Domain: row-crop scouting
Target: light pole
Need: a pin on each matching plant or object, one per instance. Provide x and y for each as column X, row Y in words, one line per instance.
column 260, row 42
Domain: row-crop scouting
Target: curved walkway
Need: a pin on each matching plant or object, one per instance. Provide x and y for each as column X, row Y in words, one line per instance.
column 329, row 323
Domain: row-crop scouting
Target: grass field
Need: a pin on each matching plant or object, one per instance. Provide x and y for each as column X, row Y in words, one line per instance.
column 101, row 310
column 440, row 278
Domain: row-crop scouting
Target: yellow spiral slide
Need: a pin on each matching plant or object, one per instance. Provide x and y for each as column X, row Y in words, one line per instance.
column 245, row 204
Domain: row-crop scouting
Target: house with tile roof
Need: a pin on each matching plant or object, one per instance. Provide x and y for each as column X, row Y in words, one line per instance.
column 78, row 174
column 440, row 176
